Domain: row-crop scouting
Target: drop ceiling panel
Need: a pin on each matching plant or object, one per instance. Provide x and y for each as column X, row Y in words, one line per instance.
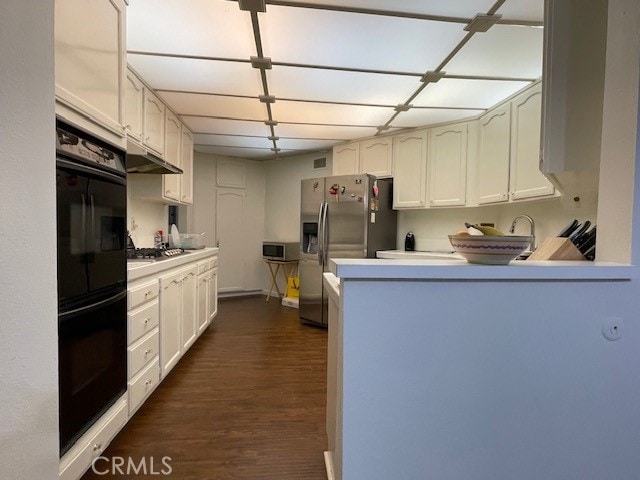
column 305, row 144
column 166, row 73
column 457, row 8
column 307, row 112
column 450, row 92
column 323, row 131
column 250, row 153
column 339, row 86
column 509, row 51
column 232, row 141
column 226, row 127
column 199, row 27
column 421, row 117
column 354, row 40
column 532, row 10
column 213, row 105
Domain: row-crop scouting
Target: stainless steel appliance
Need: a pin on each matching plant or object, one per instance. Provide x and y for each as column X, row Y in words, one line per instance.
column 348, row 216
column 92, row 276
column 281, row 251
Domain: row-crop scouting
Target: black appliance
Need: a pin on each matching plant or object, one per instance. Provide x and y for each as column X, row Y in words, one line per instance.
column 410, row 242
column 92, row 279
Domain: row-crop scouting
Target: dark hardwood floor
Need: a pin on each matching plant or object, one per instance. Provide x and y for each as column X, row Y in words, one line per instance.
column 247, row 401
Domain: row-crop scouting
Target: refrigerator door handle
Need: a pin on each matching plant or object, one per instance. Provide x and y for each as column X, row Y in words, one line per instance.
column 320, row 212
column 325, row 235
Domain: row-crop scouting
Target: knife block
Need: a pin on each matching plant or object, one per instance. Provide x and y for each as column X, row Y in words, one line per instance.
column 556, row 248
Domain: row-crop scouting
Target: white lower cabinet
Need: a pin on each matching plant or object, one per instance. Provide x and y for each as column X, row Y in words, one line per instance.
column 207, row 294
column 170, row 321
column 213, row 294
column 189, row 327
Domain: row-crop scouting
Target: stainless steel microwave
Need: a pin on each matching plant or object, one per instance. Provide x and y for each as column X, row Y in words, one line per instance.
column 282, row 251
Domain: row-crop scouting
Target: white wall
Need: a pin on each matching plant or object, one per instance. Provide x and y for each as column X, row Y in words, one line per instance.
column 145, row 219
column 431, row 226
column 29, row 323
column 282, row 193
column 618, row 181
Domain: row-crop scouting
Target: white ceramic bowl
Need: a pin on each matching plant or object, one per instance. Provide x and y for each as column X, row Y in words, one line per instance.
column 490, row 249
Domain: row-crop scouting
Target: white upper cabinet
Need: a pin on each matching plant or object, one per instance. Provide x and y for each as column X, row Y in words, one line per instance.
column 172, row 154
column 154, row 117
column 494, row 136
column 448, row 166
column 346, row 159
column 90, row 60
column 410, row 169
column 526, row 179
column 133, row 105
column 186, row 163
column 375, row 156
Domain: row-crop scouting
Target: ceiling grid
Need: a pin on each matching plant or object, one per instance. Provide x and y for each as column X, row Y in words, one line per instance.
column 329, row 72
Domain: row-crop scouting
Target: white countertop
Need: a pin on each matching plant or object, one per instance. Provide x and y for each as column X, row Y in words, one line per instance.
column 333, row 284
column 139, row 269
column 455, row 269
column 416, row 255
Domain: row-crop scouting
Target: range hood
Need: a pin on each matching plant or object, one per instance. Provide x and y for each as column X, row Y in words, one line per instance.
column 140, row 160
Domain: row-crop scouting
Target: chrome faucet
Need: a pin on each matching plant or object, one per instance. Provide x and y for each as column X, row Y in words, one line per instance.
column 533, row 245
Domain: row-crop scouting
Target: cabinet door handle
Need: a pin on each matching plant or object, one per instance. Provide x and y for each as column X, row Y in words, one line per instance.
column 147, row 320
column 148, row 382
column 147, row 351
column 97, row 447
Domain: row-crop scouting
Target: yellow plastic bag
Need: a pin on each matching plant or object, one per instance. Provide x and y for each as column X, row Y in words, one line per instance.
column 293, row 287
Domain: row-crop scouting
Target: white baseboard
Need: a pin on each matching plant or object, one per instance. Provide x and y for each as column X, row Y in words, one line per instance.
column 243, row 293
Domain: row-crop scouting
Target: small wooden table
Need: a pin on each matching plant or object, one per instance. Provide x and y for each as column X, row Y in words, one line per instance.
column 274, row 274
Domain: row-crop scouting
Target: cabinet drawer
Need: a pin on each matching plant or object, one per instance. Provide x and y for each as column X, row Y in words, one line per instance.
column 213, row 262
column 142, row 294
column 143, row 320
column 143, row 384
column 203, row 267
column 94, row 442
column 141, row 352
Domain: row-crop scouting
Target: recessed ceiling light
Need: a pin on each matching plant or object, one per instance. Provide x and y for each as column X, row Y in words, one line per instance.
column 481, row 23
column 253, row 5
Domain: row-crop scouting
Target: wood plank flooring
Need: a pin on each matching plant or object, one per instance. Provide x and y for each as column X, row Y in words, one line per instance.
column 246, row 402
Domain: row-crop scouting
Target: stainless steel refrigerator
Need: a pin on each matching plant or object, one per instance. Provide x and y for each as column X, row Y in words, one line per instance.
column 348, row 216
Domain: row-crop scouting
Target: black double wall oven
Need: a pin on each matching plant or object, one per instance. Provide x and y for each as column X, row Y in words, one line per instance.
column 92, row 274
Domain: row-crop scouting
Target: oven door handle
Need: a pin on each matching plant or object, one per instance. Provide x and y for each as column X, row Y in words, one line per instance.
column 94, row 306
column 93, row 223
column 84, row 224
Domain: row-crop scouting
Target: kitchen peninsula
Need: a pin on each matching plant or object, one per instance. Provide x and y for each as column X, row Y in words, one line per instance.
column 447, row 370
